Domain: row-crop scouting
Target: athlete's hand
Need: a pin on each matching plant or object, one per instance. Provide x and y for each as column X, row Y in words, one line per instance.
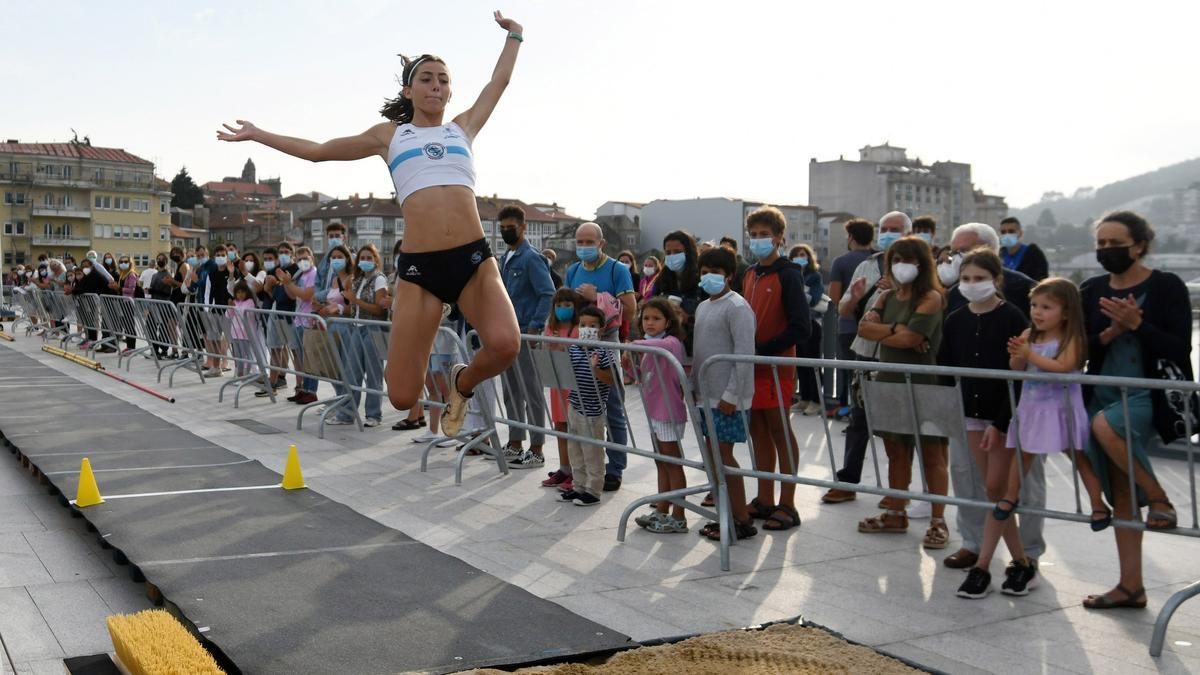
column 508, row 24
column 246, row 133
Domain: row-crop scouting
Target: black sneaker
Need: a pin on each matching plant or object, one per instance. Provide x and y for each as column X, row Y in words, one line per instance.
column 1020, row 578
column 977, row 585
column 611, row 483
column 568, row 496
column 262, row 393
column 528, row 459
column 585, row 499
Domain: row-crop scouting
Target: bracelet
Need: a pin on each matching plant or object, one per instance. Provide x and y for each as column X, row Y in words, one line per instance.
column 515, row 36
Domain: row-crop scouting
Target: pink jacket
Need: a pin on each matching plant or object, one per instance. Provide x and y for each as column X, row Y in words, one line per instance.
column 662, row 396
column 239, row 318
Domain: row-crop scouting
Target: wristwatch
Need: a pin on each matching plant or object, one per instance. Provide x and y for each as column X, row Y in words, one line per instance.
column 893, row 330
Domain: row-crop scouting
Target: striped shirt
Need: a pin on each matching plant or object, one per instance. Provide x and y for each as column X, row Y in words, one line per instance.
column 589, row 396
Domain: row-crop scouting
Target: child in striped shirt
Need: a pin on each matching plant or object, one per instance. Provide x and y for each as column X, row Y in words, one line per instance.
column 593, row 368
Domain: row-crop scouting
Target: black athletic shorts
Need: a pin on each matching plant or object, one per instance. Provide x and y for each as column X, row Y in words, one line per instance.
column 443, row 273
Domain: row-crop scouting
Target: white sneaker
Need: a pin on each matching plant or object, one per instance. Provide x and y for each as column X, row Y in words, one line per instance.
column 372, row 422
column 446, row 443
column 920, row 510
column 338, row 422
column 426, row 437
column 456, row 405
column 801, row 406
column 813, row 408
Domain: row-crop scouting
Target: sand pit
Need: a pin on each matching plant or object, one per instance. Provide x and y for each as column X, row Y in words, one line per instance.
column 776, row 650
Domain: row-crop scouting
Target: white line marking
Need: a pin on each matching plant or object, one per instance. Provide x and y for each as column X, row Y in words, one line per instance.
column 191, row 492
column 276, row 554
column 114, row 452
column 152, row 468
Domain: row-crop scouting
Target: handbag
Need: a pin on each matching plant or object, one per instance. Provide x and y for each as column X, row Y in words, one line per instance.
column 1182, row 407
column 822, row 305
column 319, row 359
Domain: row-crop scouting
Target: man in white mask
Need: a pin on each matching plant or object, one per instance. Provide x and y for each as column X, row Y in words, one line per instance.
column 965, row 478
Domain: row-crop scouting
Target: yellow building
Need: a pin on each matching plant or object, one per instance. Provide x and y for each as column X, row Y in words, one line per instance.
column 67, row 198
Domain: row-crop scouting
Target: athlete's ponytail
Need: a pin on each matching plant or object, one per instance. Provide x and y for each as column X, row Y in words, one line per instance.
column 400, row 109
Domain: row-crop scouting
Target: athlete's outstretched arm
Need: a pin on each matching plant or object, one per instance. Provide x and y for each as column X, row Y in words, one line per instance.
column 474, row 118
column 373, row 141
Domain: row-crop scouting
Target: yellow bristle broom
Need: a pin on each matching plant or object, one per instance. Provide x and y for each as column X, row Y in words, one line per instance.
column 152, row 642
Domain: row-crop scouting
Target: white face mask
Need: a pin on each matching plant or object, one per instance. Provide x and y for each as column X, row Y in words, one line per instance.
column 304, row 265
column 589, row 333
column 904, row 272
column 220, row 260
column 649, row 271
column 948, row 271
column 249, row 265
column 977, row 291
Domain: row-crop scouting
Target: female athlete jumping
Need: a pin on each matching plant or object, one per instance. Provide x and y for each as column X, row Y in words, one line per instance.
column 444, row 258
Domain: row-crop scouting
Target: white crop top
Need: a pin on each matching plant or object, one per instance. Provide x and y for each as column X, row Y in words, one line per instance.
column 421, row 157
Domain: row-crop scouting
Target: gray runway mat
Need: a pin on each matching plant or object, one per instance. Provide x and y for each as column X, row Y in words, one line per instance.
column 281, row 581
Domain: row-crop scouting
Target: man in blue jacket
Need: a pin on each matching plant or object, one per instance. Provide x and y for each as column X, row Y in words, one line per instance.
column 526, row 275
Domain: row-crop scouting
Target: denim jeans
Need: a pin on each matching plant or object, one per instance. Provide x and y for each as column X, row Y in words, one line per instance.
column 618, row 429
column 307, row 383
column 365, row 362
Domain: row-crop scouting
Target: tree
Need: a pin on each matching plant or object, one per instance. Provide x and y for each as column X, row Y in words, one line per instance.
column 186, row 194
column 1047, row 219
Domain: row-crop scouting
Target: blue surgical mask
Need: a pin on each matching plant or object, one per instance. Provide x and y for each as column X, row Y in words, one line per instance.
column 269, row 265
column 334, row 242
column 203, row 260
column 285, row 259
column 886, row 239
column 366, row 265
column 338, row 264
column 653, row 336
column 676, row 261
column 801, row 261
column 712, row 283
column 925, row 237
column 762, row 248
column 587, row 253
column 191, row 260
column 232, row 255
column 1009, row 240
column 564, row 313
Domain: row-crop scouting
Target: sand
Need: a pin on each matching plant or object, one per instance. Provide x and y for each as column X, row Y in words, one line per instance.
column 775, row 650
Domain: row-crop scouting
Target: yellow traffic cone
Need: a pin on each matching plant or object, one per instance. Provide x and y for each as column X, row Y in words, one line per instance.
column 293, row 479
column 88, row 493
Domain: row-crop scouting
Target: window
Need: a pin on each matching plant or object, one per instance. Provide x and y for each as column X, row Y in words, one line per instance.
column 145, row 233
column 125, row 203
column 98, row 174
column 99, row 202
column 126, row 232
column 66, row 230
column 164, row 233
column 317, row 226
column 20, row 198
column 47, row 230
column 104, row 231
column 67, row 202
column 107, row 202
column 8, row 197
column 370, row 225
column 8, row 228
column 48, row 199
column 162, row 206
column 66, row 172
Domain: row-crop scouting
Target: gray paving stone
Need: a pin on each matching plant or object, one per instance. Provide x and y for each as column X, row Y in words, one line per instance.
column 19, row 565
column 65, row 555
column 121, row 595
column 75, row 614
column 26, row 634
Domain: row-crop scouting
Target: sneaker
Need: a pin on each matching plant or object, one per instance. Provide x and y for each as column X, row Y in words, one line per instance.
column 669, row 525
column 813, row 408
column 446, row 443
column 511, row 454
column 294, row 396
column 1020, row 578
column 85, row 344
column 372, row 422
column 612, row 483
column 568, row 496
column 339, row 421
column 654, row 516
column 801, row 406
column 212, row 372
column 977, row 585
column 568, row 485
column 306, row 397
column 127, row 351
column 281, row 384
column 556, row 478
column 527, row 460
column 426, row 437
column 920, row 510
column 262, row 393
column 585, row 499
column 456, row 407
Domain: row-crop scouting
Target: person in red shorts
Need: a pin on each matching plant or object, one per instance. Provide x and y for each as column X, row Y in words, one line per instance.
column 774, row 287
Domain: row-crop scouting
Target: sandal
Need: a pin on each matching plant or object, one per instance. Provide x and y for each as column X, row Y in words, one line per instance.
column 758, row 511
column 937, row 536
column 879, row 524
column 743, row 530
column 708, row 500
column 1168, row 516
column 775, row 524
column 409, row 425
column 1130, row 601
column 1100, row 524
column 1003, row 514
column 669, row 525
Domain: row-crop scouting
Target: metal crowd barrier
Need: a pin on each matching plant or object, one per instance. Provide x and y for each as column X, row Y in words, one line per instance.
column 936, row 410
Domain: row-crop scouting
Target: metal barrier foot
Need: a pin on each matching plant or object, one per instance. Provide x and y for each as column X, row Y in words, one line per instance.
column 473, row 444
column 1164, row 616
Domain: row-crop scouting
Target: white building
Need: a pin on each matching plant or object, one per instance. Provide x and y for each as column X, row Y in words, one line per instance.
column 716, row 217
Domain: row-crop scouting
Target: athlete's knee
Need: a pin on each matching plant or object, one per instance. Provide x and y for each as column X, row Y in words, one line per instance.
column 401, row 400
column 507, row 347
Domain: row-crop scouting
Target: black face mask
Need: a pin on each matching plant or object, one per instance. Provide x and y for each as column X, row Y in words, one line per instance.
column 162, row 262
column 509, row 236
column 177, row 258
column 1114, row 259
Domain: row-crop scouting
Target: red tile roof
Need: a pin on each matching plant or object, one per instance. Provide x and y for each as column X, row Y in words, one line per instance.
column 73, row 151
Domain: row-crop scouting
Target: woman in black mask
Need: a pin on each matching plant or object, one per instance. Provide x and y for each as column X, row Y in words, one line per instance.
column 1137, row 319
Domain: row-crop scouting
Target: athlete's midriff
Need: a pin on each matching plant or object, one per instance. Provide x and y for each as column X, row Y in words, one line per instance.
column 440, row 217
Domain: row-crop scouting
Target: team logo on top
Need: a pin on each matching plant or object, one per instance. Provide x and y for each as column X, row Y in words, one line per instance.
column 412, row 271
column 451, row 133
column 476, row 257
column 434, row 150
column 407, row 132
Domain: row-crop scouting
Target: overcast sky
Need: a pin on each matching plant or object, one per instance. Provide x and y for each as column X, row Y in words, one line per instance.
column 628, row 100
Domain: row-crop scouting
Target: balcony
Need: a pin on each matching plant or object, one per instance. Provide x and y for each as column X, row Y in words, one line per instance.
column 61, row 212
column 61, row 240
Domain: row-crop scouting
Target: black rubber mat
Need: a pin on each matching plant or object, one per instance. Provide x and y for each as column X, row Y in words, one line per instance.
column 279, row 581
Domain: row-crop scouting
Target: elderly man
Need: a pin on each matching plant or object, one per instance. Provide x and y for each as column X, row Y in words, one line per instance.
column 594, row 273
column 868, row 280
column 526, row 276
column 964, row 473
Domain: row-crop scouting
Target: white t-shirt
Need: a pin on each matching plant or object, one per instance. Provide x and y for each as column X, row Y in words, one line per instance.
column 146, row 277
